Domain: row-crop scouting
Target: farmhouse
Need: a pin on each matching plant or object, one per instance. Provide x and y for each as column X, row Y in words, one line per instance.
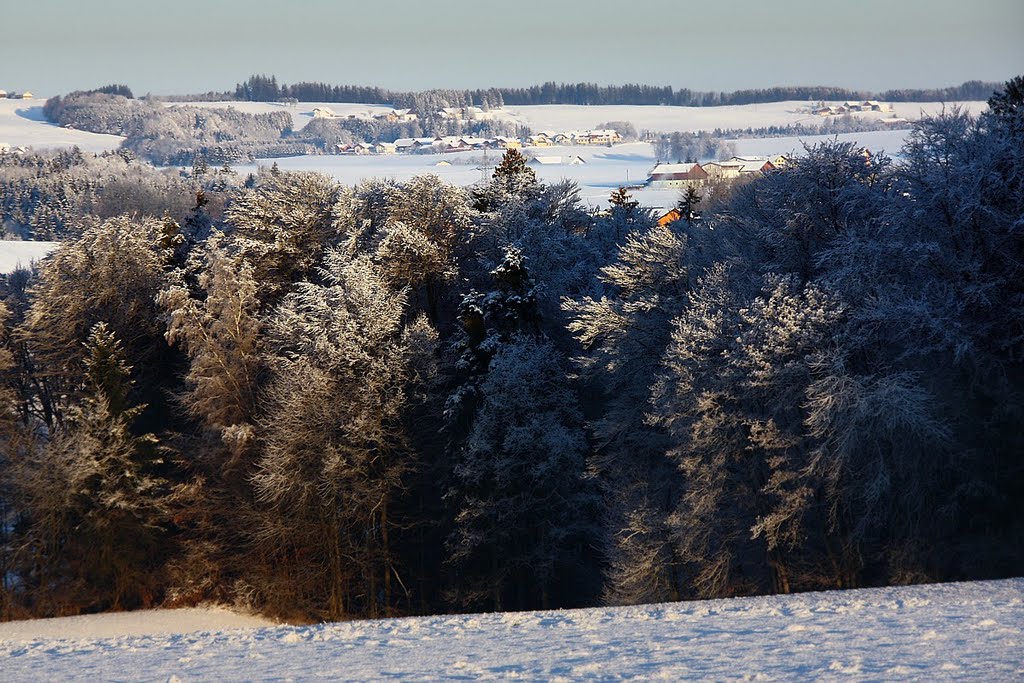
column 539, row 140
column 723, row 170
column 355, row 148
column 398, row 116
column 676, row 175
column 323, row 113
column 507, row 143
column 753, row 164
column 596, row 137
column 3, row 94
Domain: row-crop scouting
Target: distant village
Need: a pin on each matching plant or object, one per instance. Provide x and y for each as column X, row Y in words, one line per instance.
column 464, row 143
column 24, row 95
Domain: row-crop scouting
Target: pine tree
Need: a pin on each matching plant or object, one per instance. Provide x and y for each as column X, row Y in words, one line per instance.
column 95, row 498
column 687, row 205
column 522, row 511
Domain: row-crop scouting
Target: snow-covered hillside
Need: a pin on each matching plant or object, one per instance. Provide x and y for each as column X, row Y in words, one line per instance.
column 669, row 119
column 561, row 117
column 969, row 631
column 22, row 124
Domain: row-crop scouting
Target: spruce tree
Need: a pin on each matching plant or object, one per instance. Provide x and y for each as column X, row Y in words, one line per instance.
column 687, row 205
column 95, row 497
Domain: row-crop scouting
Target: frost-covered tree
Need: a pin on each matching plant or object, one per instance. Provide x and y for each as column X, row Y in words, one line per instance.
column 621, row 333
column 512, row 180
column 221, row 334
column 799, row 213
column 219, row 328
column 282, row 226
column 523, row 509
column 94, row 497
column 429, row 223
column 334, row 453
column 111, row 274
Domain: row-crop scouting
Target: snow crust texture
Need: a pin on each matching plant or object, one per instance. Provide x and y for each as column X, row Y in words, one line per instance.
column 944, row 632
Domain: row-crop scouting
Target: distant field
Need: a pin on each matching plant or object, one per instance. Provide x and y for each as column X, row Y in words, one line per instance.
column 22, row 125
column 669, row 119
column 606, row 168
column 653, row 118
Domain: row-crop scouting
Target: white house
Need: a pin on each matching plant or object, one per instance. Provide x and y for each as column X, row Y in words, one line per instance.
column 573, row 160
column 323, row 113
column 723, row 170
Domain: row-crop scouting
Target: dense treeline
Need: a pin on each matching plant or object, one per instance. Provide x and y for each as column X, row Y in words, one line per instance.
column 52, row 196
column 261, row 88
column 411, row 397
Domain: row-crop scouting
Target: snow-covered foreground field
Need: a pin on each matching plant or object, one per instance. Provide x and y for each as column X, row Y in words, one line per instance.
column 22, row 124
column 969, row 631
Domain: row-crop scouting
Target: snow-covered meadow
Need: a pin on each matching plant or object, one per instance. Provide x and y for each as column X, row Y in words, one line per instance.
column 22, row 124
column 943, row 632
column 659, row 119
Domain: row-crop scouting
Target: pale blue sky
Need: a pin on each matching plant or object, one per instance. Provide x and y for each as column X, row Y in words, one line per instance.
column 183, row 46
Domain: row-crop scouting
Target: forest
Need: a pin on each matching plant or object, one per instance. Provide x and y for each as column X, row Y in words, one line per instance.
column 263, row 88
column 327, row 402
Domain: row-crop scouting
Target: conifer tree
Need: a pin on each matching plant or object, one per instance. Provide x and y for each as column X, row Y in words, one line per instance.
column 95, row 498
column 687, row 205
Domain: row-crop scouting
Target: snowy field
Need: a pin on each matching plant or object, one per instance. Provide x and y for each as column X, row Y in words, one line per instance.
column 14, row 255
column 669, row 119
column 662, row 119
column 606, row 168
column 22, row 124
column 945, row 632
